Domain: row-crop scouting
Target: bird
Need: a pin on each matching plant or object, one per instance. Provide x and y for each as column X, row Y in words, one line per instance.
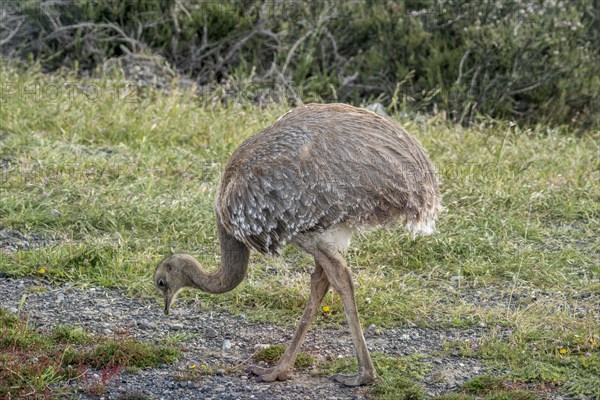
column 318, row 175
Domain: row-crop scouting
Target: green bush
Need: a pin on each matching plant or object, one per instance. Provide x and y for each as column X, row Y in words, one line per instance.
column 528, row 61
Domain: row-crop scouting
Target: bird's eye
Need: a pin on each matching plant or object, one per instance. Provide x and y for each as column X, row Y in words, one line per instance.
column 161, row 283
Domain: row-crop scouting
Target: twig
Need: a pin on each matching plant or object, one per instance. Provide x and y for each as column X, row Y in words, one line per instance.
column 460, row 66
column 12, row 33
column 92, row 25
column 237, row 366
column 233, row 50
column 527, row 88
column 293, row 50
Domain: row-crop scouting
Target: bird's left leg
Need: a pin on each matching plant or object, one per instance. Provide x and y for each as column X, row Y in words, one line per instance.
column 341, row 280
column 283, row 370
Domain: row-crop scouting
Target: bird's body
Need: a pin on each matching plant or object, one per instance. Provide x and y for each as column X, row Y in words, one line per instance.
column 325, row 167
column 313, row 178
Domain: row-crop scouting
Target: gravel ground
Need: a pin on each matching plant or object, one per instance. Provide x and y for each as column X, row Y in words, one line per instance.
column 221, row 340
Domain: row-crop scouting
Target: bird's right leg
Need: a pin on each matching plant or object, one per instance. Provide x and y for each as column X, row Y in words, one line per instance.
column 283, row 370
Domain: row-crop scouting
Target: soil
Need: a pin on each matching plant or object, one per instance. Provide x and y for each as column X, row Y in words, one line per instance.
column 223, row 342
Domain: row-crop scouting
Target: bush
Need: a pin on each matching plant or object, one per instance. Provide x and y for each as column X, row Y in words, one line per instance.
column 528, row 61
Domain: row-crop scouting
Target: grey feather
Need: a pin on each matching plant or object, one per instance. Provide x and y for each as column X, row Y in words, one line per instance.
column 320, row 166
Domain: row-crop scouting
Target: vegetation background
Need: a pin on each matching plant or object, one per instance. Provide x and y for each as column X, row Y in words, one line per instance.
column 117, row 117
column 528, row 61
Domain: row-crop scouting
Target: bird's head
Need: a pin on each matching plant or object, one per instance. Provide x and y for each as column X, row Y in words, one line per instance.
column 172, row 275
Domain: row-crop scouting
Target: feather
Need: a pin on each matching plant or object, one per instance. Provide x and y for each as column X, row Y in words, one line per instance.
column 320, row 166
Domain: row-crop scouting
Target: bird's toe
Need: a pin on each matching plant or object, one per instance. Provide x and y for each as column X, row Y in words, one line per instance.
column 256, row 370
column 353, row 380
column 270, row 374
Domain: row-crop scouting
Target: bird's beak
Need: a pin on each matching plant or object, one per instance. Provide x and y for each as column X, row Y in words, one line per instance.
column 168, row 299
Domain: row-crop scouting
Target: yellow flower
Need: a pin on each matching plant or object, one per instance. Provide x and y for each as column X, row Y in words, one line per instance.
column 562, row 351
column 326, row 309
column 193, row 366
column 42, row 271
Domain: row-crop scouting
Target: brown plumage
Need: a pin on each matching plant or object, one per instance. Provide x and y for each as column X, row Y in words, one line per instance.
column 313, row 178
column 322, row 165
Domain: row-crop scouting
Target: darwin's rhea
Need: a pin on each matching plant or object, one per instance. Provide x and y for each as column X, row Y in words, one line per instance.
column 316, row 176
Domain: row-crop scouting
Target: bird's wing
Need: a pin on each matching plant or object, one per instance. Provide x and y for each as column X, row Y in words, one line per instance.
column 364, row 171
column 265, row 207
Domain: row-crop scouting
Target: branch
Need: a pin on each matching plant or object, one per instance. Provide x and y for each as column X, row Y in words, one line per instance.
column 12, row 33
column 92, row 25
column 460, row 66
column 293, row 50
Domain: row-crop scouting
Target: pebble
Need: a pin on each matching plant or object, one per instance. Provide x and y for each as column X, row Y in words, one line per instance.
column 201, row 339
column 143, row 324
column 175, row 327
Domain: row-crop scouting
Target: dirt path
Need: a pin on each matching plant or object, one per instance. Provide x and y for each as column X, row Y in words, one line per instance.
column 205, row 338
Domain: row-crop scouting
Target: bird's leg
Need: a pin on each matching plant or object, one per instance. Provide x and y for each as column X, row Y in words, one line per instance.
column 339, row 276
column 283, row 370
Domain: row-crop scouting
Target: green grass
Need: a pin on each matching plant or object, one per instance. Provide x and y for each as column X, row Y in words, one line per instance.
column 397, row 376
column 272, row 354
column 38, row 364
column 116, row 182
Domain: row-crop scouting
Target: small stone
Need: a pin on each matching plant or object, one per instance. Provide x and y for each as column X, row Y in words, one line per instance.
column 455, row 278
column 55, row 213
column 220, row 372
column 226, row 344
column 481, row 324
column 175, row 327
column 144, row 324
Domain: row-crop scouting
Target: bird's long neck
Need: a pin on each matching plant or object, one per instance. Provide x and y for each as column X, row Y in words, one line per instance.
column 234, row 264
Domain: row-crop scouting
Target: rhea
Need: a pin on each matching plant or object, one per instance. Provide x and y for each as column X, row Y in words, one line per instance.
column 319, row 174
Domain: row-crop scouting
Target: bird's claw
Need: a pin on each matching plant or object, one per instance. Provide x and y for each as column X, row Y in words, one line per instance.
column 270, row 374
column 353, row 380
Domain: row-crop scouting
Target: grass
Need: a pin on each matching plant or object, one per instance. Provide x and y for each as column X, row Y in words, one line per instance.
column 272, row 354
column 118, row 179
column 397, row 376
column 36, row 364
column 488, row 387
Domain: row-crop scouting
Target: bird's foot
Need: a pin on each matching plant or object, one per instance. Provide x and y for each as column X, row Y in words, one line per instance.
column 276, row 373
column 354, row 380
